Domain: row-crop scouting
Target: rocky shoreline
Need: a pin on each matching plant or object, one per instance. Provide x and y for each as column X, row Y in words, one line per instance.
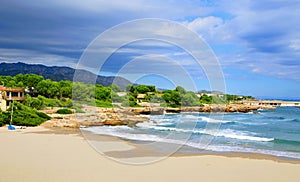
column 96, row 116
column 205, row 109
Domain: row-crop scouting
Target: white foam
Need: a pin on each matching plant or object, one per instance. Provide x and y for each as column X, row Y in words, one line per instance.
column 227, row 133
column 241, row 136
column 120, row 132
column 253, row 123
column 190, row 116
column 165, row 123
column 107, row 130
column 211, row 120
column 230, row 148
column 146, row 124
column 156, row 127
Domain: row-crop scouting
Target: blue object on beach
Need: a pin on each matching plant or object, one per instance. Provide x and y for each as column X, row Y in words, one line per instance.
column 11, row 127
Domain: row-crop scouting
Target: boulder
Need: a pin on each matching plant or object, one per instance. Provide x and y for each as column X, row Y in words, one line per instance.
column 206, row 108
column 114, row 122
column 157, row 110
column 54, row 123
column 191, row 109
column 91, row 123
column 240, row 108
column 141, row 110
column 172, row 110
column 218, row 108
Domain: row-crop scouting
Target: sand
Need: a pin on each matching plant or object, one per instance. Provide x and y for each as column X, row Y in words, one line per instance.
column 39, row 154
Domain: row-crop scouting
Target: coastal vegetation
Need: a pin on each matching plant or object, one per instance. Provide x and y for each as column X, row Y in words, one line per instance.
column 23, row 115
column 64, row 111
column 42, row 93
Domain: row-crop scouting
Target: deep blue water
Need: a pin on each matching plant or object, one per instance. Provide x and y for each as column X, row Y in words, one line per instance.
column 275, row 132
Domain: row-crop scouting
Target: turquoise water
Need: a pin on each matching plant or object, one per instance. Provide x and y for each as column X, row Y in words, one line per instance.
column 275, row 132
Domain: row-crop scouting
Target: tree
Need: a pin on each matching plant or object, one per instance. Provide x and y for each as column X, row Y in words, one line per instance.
column 19, row 79
column 49, row 88
column 83, row 92
column 130, row 101
column 189, row 99
column 36, row 103
column 116, row 98
column 116, row 88
column 205, row 99
column 128, row 87
column 155, row 99
column 217, row 100
column 103, row 93
column 152, row 88
column 31, row 81
column 167, row 97
column 180, row 89
column 140, row 89
column 172, row 96
column 11, row 83
column 175, row 97
column 66, row 88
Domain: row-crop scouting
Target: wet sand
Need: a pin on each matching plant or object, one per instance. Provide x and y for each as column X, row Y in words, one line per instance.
column 40, row 154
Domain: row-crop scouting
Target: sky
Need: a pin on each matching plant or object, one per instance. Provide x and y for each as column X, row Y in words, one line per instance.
column 257, row 43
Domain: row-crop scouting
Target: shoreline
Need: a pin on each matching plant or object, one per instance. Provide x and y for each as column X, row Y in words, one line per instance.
column 179, row 153
column 198, row 152
column 40, row 154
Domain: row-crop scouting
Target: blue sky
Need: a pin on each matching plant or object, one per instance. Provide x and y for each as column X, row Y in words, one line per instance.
column 256, row 42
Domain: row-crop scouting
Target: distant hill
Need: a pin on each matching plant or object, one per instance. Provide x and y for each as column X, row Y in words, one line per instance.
column 57, row 73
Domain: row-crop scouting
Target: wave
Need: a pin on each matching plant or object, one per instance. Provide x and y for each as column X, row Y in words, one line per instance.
column 121, row 132
column 295, row 120
column 162, row 128
column 211, row 120
column 118, row 132
column 227, row 133
column 190, row 118
column 165, row 123
column 276, row 118
column 244, row 137
column 230, row 148
column 253, row 123
column 283, row 141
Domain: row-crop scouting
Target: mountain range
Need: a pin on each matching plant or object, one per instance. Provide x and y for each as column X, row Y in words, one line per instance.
column 58, row 73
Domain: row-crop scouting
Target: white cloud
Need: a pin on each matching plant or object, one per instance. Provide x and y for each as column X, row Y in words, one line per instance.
column 133, row 8
column 35, row 57
column 212, row 29
column 265, row 32
column 295, row 44
column 204, row 24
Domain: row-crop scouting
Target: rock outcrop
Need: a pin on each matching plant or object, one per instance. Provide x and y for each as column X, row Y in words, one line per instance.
column 95, row 116
column 61, row 123
column 172, row 110
column 147, row 110
column 112, row 116
column 241, row 108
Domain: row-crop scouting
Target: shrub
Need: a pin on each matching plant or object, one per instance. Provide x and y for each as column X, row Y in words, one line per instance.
column 4, row 118
column 107, row 104
column 25, row 116
column 43, row 115
column 64, row 111
column 27, row 119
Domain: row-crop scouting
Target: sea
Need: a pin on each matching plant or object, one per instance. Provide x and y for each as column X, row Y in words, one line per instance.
column 271, row 132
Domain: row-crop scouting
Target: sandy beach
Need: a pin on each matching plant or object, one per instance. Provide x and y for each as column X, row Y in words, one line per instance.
column 40, row 154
